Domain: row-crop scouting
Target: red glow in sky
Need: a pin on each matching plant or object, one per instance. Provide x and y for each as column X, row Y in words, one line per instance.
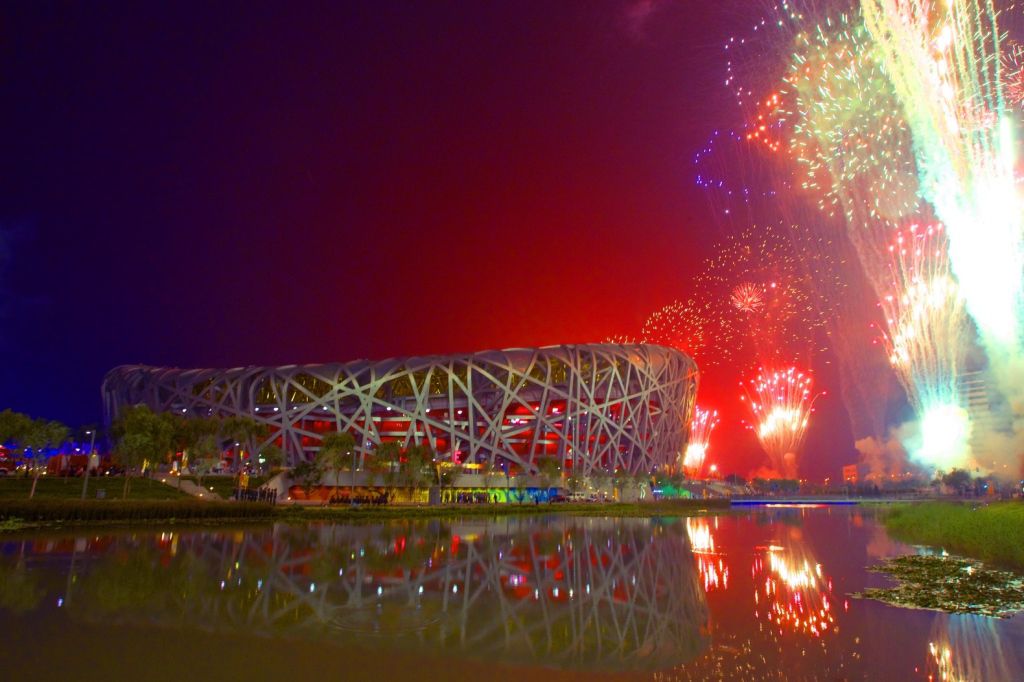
column 218, row 184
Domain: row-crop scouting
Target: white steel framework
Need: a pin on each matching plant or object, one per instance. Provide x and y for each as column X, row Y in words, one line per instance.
column 593, row 407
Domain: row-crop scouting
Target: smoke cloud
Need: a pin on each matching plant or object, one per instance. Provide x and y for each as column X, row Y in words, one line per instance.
column 885, row 458
column 998, row 443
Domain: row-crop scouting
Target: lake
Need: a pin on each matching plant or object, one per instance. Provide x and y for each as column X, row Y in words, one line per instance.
column 757, row 594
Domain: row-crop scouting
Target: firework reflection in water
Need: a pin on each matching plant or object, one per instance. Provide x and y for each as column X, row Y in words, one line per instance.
column 714, row 573
column 792, row 593
column 965, row 647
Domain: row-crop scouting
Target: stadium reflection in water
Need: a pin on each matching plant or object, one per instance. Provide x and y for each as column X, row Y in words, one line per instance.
column 563, row 592
column 756, row 595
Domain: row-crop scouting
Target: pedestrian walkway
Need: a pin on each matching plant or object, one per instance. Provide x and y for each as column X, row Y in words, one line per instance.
column 188, row 487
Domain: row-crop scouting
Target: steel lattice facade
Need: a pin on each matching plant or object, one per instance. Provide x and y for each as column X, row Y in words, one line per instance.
column 593, row 406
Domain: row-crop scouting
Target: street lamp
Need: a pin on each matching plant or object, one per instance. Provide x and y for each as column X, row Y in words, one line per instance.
column 88, row 461
column 352, row 494
column 504, row 465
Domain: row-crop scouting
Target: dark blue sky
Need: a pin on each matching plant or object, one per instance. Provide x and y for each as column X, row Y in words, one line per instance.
column 219, row 184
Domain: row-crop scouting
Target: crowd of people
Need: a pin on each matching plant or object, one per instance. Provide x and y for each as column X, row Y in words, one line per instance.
column 255, row 495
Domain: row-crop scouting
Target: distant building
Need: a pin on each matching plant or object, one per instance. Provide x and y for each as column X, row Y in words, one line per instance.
column 974, row 389
column 988, row 414
column 591, row 407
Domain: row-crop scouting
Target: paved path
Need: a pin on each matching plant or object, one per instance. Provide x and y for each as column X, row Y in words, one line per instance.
column 189, row 487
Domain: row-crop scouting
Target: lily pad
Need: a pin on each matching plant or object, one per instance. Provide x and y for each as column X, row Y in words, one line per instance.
column 949, row 583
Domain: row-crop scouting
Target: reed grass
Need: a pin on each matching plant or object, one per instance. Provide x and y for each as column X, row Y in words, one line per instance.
column 992, row 532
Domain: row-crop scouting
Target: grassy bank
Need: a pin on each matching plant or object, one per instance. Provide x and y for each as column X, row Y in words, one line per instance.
column 993, row 532
column 617, row 509
column 15, row 514
column 16, row 488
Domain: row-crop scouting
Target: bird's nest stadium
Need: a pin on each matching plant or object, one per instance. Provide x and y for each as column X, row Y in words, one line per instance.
column 590, row 407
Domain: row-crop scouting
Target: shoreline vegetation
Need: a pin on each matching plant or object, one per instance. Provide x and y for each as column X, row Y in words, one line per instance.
column 992, row 532
column 101, row 489
column 948, row 583
column 21, row 514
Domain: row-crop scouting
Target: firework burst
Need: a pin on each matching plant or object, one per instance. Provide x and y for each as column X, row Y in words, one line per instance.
column 625, row 339
column 703, row 423
column 761, row 294
column 760, row 286
column 747, row 297
column 781, row 403
column 927, row 337
column 1013, row 74
column 945, row 62
column 849, row 137
column 688, row 326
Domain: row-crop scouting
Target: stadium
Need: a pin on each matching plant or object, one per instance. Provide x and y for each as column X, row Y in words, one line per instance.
column 592, row 407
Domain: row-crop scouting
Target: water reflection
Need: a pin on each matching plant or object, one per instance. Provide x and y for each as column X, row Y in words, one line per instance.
column 791, row 593
column 777, row 618
column 970, row 647
column 19, row 589
column 714, row 574
column 756, row 595
column 608, row 594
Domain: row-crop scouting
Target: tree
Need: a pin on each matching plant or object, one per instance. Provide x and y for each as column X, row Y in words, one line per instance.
column 196, row 439
column 307, row 474
column 789, row 486
column 140, row 435
column 521, row 482
column 372, row 471
column 271, row 456
column 205, row 452
column 245, row 431
column 389, row 458
column 600, row 479
column 957, row 479
column 418, row 465
column 492, row 477
column 335, row 453
column 42, row 434
column 549, row 472
column 181, row 439
column 503, row 467
column 14, row 427
column 446, row 479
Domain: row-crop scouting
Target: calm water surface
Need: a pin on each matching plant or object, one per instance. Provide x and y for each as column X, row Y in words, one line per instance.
column 757, row 595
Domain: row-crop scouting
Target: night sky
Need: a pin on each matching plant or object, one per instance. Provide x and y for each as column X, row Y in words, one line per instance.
column 222, row 184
